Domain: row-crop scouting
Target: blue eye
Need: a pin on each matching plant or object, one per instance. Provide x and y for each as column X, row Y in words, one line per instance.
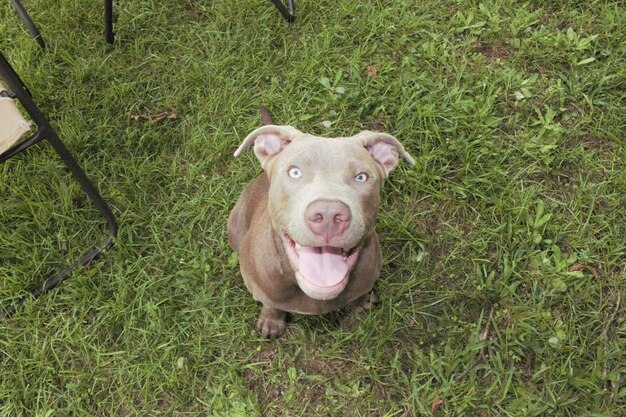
column 361, row 177
column 294, row 172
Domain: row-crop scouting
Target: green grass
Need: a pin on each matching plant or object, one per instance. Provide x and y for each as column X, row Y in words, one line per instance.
column 515, row 114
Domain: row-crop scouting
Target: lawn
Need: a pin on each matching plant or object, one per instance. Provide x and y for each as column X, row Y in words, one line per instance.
column 504, row 273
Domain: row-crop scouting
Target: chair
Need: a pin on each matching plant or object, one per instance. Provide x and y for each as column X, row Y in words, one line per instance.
column 12, row 127
column 288, row 12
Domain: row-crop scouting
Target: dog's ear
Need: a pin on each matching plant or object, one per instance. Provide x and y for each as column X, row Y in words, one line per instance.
column 384, row 148
column 268, row 141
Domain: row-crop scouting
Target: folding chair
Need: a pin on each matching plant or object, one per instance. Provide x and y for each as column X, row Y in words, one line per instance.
column 12, row 127
column 288, row 11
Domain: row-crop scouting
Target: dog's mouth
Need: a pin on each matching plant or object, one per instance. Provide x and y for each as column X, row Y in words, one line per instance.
column 321, row 271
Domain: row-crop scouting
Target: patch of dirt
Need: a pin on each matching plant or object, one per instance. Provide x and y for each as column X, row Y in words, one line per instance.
column 603, row 147
column 494, row 52
column 431, row 226
column 563, row 25
column 377, row 124
column 193, row 11
column 314, row 373
column 571, row 111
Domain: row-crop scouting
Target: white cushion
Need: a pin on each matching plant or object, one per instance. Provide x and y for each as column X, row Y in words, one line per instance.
column 12, row 124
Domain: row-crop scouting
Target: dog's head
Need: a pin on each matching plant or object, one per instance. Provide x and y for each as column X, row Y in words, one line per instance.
column 323, row 198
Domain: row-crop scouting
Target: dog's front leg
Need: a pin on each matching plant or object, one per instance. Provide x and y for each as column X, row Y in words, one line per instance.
column 271, row 323
column 366, row 302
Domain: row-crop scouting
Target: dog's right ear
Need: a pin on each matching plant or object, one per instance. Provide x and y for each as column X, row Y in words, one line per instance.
column 268, row 141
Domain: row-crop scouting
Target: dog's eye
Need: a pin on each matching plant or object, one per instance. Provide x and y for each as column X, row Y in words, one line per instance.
column 294, row 172
column 361, row 177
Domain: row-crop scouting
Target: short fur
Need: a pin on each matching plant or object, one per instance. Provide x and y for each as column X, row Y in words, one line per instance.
column 272, row 206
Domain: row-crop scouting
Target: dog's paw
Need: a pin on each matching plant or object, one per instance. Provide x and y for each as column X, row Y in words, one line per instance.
column 271, row 323
column 367, row 302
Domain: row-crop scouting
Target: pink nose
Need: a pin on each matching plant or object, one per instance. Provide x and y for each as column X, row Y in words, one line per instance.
column 327, row 218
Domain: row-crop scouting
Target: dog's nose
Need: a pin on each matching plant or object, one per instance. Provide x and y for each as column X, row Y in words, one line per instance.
column 327, row 218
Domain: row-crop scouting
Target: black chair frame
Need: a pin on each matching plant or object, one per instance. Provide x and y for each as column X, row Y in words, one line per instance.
column 21, row 11
column 45, row 132
column 288, row 11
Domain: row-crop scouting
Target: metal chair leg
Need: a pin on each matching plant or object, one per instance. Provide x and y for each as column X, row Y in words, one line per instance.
column 109, row 36
column 288, row 11
column 47, row 132
column 21, row 11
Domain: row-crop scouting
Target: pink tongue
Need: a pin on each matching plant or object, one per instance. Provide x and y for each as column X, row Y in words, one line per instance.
column 322, row 266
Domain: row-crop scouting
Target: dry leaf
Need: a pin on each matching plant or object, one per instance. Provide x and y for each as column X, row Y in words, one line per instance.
column 436, row 403
column 155, row 118
column 580, row 267
column 372, row 71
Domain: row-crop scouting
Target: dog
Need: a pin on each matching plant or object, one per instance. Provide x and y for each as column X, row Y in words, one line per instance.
column 304, row 229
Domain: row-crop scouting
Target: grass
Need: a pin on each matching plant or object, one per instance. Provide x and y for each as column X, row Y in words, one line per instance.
column 515, row 114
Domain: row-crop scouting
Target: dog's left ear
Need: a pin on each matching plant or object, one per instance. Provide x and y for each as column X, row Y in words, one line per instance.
column 384, row 148
column 268, row 141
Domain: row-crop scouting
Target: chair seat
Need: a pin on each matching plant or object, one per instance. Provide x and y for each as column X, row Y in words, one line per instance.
column 13, row 125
